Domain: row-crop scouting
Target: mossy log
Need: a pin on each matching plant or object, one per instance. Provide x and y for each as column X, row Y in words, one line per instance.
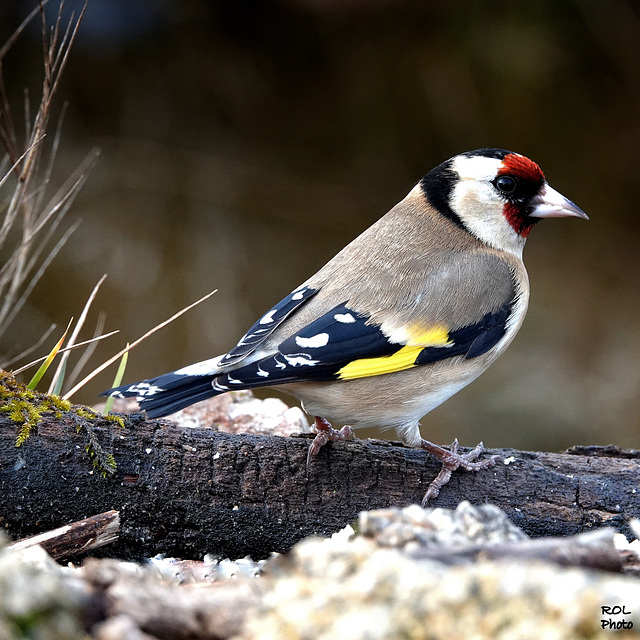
column 190, row 491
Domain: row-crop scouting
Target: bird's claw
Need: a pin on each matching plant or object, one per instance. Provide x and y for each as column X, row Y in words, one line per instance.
column 452, row 460
column 326, row 433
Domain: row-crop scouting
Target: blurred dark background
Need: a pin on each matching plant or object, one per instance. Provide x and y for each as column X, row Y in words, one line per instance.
column 244, row 143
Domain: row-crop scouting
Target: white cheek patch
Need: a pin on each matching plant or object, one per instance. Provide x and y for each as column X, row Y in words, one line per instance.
column 481, row 209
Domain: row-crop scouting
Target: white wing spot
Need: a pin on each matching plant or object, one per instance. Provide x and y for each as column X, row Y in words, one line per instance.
column 144, row 389
column 267, row 318
column 298, row 295
column 319, row 340
column 345, row 318
column 302, row 359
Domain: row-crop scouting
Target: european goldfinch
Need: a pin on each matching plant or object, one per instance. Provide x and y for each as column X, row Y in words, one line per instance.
column 406, row 315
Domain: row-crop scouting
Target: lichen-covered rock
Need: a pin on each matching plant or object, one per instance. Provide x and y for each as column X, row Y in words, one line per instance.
column 414, row 526
column 162, row 605
column 242, row 412
column 354, row 589
column 375, row 584
column 370, row 587
column 39, row 599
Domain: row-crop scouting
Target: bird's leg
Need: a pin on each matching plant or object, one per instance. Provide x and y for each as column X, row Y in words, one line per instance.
column 452, row 460
column 326, row 433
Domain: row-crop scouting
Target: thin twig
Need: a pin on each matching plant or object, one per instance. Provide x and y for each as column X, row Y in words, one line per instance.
column 55, row 144
column 39, row 225
column 69, row 43
column 16, row 34
column 74, row 334
column 39, row 273
column 88, row 352
column 8, row 269
column 15, row 164
column 7, row 130
column 75, row 346
column 66, row 195
column 31, row 349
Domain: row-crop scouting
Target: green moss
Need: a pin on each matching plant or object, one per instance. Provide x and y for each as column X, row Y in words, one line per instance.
column 117, row 419
column 28, row 408
column 24, row 406
column 85, row 412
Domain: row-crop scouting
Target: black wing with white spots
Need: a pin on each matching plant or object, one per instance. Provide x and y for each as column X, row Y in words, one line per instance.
column 342, row 345
column 314, row 353
column 269, row 322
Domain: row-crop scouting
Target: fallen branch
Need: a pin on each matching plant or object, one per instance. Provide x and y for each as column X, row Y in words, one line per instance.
column 76, row 538
column 593, row 550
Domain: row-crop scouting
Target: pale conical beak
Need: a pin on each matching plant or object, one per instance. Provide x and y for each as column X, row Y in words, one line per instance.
column 552, row 204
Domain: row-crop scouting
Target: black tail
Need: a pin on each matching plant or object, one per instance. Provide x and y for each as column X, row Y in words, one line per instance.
column 168, row 393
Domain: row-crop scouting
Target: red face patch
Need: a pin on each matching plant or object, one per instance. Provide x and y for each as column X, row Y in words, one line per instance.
column 522, row 168
column 513, row 214
column 529, row 173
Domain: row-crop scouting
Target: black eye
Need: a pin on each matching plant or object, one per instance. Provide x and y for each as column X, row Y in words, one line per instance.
column 506, row 184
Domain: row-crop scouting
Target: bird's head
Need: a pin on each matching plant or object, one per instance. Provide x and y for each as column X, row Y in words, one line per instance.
column 496, row 195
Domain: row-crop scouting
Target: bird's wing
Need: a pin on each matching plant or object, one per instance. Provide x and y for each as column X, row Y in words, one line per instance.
column 267, row 324
column 346, row 343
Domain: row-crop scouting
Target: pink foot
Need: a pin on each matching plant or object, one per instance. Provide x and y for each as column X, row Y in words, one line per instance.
column 452, row 460
column 326, row 433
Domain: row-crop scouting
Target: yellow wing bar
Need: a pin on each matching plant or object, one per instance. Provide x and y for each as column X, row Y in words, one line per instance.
column 403, row 359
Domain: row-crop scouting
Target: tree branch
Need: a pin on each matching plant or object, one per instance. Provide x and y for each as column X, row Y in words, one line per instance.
column 186, row 492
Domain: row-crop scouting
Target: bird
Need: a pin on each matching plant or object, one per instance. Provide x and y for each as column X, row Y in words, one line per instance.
column 406, row 315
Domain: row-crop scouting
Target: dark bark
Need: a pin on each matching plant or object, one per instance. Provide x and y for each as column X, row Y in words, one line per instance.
column 189, row 491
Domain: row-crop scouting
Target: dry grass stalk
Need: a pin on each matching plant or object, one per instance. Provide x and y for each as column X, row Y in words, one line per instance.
column 64, row 350
column 56, row 381
column 135, row 343
column 30, row 220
